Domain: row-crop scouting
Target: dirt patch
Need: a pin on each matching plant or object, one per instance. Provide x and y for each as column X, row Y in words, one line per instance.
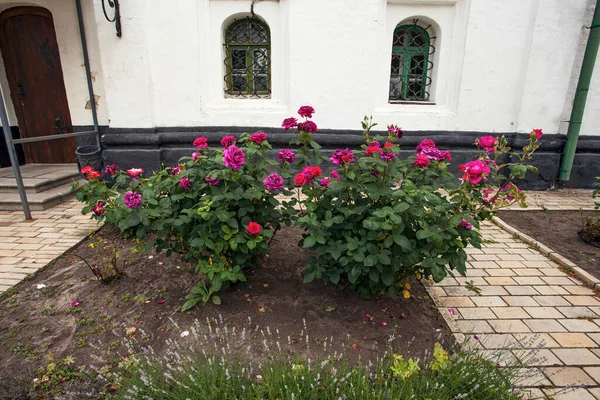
column 35, row 322
column 559, row 231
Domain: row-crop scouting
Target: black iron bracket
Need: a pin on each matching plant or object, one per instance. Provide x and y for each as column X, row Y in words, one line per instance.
column 116, row 17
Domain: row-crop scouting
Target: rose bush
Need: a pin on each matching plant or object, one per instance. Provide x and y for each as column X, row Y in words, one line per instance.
column 373, row 220
column 382, row 219
column 217, row 208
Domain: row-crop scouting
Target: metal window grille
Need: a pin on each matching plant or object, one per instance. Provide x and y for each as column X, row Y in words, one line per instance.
column 248, row 59
column 412, row 53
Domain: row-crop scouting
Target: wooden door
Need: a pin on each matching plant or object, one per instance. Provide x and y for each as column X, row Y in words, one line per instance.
column 35, row 77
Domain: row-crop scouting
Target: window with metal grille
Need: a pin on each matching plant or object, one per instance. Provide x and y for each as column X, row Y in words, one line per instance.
column 412, row 53
column 248, row 59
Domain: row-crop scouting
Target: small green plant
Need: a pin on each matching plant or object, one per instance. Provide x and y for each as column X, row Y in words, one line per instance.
column 50, row 378
column 104, row 262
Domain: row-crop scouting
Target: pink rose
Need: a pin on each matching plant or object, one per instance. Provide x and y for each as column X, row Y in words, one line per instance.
column 135, row 172
column 227, row 141
column 274, row 182
column 196, row 156
column 342, row 156
column 474, row 171
column 488, row 143
column 324, row 182
column 289, row 123
column 424, row 144
column 537, row 133
column 185, row 183
column 308, row 126
column 334, row 174
column 286, row 156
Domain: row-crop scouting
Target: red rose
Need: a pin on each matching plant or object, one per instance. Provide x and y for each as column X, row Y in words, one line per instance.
column 253, row 229
column 258, row 137
column 537, row 133
column 421, row 161
column 201, row 142
column 387, row 145
column 300, row 180
column 306, row 111
column 372, row 149
column 93, row 174
column 85, row 170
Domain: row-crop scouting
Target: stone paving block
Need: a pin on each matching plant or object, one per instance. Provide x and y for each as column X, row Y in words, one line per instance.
column 580, row 290
column 531, row 393
column 488, row 301
column 509, row 256
column 543, row 312
column 579, row 325
column 502, row 358
column 577, row 356
column 558, row 280
column 594, row 372
column 10, row 260
column 483, row 264
column 537, row 358
column 476, row 313
column 499, row 272
column 448, row 281
column 578, row 312
column 478, row 272
column 528, row 272
column 476, row 280
column 492, row 291
column 544, row 325
column 552, row 272
column 568, row 376
column 541, row 264
column 535, row 340
column 520, row 301
column 528, row 280
column 498, row 341
column 569, row 394
column 456, row 302
column 521, row 290
column 530, row 377
column 595, row 391
column 509, row 326
column 551, row 290
column 582, row 300
column 509, row 312
column 472, row 326
column 458, row 291
column 595, row 337
column 551, row 301
column 511, row 264
column 485, row 257
column 573, row 339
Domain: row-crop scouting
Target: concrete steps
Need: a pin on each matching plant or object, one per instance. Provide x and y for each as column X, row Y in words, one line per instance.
column 46, row 185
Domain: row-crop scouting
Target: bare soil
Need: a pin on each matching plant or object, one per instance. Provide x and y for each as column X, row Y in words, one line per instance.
column 559, row 231
column 37, row 322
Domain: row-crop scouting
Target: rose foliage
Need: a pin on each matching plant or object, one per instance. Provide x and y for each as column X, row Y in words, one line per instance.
column 374, row 219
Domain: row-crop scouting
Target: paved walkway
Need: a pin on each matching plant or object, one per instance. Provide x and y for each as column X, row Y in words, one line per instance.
column 518, row 303
column 26, row 246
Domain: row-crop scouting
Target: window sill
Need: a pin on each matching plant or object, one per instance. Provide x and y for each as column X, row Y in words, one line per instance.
column 421, row 103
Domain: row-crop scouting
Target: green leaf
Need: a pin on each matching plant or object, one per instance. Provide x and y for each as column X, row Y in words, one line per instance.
column 374, row 275
column 223, row 215
column 190, row 303
column 399, row 208
column 309, row 277
column 402, row 241
column 387, row 278
column 519, row 170
column 251, row 244
column 370, row 261
column 309, row 242
column 424, row 234
column 216, row 300
column 334, row 277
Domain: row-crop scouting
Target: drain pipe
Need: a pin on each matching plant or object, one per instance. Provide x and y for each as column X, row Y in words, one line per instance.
column 88, row 73
column 583, row 87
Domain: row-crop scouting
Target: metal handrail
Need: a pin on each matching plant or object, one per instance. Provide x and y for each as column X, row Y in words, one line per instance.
column 52, row 137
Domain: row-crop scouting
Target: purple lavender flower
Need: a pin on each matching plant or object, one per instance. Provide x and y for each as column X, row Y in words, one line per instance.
column 132, row 199
column 274, row 182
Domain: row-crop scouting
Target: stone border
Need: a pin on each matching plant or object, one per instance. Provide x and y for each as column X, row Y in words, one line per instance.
column 579, row 273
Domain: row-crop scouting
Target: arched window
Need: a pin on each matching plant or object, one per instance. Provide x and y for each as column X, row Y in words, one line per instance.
column 248, row 58
column 412, row 53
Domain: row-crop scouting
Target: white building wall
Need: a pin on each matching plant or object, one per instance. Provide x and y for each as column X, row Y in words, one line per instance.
column 64, row 14
column 500, row 65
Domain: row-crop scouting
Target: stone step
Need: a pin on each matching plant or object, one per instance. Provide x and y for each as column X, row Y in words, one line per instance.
column 38, row 178
column 38, row 201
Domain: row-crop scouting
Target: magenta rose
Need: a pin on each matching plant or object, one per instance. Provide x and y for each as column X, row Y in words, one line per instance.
column 474, row 171
column 465, row 224
column 227, row 141
column 334, row 174
column 196, row 156
column 132, row 199
column 98, row 209
column 324, row 182
column 286, row 156
column 274, row 182
column 111, row 169
column 258, row 137
column 422, row 161
column 185, row 183
column 233, row 157
column 306, row 111
column 395, row 131
column 212, row 181
column 308, row 126
column 289, row 123
column 433, row 153
column 537, row 133
column 388, row 155
column 175, row 170
column 425, row 143
column 342, row 156
column 488, row 143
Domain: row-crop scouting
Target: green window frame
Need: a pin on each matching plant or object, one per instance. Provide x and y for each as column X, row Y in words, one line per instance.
column 248, row 59
column 410, row 76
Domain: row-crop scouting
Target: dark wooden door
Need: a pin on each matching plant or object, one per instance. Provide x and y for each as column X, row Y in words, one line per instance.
column 35, row 77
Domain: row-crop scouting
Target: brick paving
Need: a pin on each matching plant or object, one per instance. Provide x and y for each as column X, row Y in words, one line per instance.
column 528, row 310
column 27, row 246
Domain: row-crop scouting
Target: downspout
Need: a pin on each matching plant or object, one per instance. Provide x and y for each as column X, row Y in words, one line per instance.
column 88, row 73
column 583, row 88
